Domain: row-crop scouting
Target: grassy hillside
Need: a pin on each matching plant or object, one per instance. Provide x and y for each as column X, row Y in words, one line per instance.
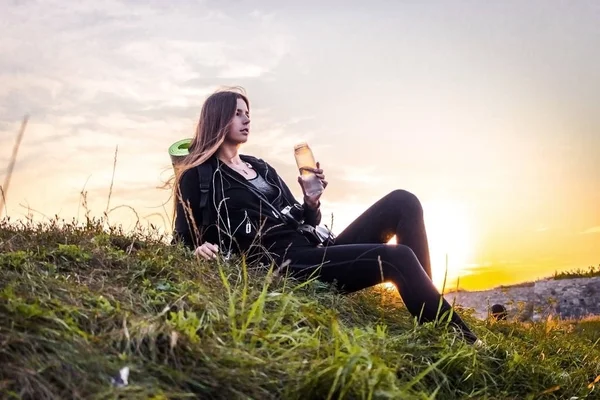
column 79, row 303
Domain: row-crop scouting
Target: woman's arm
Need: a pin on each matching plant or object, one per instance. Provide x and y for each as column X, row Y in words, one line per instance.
column 312, row 216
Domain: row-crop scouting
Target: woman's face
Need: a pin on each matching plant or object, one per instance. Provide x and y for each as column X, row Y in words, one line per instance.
column 240, row 124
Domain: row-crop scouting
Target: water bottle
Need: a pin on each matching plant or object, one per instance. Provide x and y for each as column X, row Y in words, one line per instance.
column 304, row 158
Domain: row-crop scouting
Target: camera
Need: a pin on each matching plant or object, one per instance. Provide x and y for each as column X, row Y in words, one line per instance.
column 318, row 235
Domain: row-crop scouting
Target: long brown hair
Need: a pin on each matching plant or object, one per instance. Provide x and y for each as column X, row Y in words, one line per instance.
column 213, row 125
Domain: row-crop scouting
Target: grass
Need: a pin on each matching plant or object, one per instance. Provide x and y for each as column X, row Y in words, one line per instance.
column 590, row 272
column 79, row 302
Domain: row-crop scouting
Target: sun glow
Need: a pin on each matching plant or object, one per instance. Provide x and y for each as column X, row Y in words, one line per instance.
column 449, row 233
column 451, row 240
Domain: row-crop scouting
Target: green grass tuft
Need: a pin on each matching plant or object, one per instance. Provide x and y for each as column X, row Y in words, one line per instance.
column 78, row 303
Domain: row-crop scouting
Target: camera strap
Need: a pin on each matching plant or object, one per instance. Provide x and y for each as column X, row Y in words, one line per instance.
column 275, row 211
column 316, row 232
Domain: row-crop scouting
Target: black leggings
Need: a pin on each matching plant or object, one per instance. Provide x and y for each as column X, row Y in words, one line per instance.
column 360, row 257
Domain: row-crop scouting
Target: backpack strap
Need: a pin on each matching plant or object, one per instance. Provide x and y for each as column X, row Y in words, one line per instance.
column 205, row 175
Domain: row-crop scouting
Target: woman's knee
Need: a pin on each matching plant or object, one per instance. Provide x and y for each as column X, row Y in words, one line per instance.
column 406, row 200
column 400, row 259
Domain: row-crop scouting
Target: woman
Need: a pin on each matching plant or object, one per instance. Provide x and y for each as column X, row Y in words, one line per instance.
column 243, row 205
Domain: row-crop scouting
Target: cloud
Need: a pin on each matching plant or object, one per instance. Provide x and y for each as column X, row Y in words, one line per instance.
column 242, row 71
column 594, row 229
column 143, row 55
column 133, row 74
column 365, row 175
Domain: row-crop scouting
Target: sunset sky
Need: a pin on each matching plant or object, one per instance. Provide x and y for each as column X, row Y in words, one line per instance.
column 489, row 113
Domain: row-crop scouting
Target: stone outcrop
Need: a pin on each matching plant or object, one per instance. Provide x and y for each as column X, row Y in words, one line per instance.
column 563, row 298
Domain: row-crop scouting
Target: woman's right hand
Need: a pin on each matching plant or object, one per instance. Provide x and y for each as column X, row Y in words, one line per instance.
column 207, row 250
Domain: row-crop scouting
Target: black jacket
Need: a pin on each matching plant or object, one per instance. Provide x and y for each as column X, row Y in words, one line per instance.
column 239, row 221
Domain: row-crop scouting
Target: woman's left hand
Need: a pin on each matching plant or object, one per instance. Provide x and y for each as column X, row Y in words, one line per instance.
column 313, row 201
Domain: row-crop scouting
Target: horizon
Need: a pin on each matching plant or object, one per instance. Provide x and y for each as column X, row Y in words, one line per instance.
column 486, row 112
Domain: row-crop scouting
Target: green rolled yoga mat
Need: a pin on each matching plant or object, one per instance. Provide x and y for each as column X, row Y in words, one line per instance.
column 179, row 149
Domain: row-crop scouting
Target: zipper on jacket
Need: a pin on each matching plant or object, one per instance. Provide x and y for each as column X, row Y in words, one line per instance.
column 248, row 224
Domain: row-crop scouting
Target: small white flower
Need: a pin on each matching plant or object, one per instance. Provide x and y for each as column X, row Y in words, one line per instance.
column 121, row 380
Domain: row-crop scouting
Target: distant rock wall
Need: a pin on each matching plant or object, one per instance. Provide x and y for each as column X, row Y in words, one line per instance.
column 564, row 298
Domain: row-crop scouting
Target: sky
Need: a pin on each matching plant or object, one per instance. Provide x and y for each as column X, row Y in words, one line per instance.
column 487, row 111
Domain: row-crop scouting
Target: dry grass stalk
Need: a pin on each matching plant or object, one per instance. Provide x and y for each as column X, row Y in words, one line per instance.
column 11, row 165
